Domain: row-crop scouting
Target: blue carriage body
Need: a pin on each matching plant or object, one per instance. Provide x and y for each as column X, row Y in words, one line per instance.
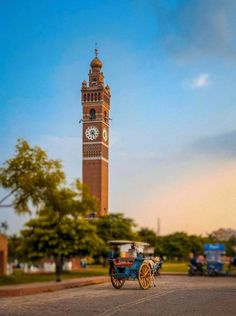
column 127, row 271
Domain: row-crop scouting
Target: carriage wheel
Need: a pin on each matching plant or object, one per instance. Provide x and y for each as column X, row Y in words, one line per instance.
column 144, row 276
column 117, row 283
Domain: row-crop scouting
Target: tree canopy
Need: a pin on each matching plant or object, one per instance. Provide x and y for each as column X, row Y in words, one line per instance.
column 29, row 175
column 115, row 226
column 60, row 228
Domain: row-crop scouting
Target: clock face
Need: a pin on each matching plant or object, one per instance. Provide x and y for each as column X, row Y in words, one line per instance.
column 104, row 134
column 91, row 132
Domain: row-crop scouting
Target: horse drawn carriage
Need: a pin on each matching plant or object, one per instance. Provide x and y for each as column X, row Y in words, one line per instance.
column 131, row 260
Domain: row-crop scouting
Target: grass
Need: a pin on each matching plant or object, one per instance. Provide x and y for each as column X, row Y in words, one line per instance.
column 19, row 277
column 175, row 267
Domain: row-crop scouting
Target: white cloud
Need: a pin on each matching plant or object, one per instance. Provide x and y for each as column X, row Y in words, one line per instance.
column 201, row 81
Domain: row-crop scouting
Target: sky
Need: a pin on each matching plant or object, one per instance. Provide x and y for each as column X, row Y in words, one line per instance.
column 171, row 67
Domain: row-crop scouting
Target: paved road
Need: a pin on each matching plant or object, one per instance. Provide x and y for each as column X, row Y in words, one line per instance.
column 172, row 296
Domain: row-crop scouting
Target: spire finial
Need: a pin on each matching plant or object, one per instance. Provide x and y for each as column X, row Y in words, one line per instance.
column 96, row 51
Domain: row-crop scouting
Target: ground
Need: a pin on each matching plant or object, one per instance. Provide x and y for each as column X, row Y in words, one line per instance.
column 173, row 295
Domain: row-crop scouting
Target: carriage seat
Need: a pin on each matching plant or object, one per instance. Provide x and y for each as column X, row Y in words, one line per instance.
column 123, row 262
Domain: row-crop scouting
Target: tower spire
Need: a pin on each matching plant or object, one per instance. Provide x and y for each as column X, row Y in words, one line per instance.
column 96, row 51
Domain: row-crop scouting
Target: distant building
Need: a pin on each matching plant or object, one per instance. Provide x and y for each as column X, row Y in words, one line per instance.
column 3, row 254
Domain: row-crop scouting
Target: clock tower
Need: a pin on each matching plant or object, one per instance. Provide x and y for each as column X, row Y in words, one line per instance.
column 95, row 99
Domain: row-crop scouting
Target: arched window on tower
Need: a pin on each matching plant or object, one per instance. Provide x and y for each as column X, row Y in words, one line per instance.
column 85, row 97
column 91, row 96
column 92, row 114
column 94, row 82
column 95, row 96
column 105, row 116
column 88, row 97
column 99, row 96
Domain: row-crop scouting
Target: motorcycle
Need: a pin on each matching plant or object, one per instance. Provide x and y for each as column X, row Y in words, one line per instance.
column 196, row 270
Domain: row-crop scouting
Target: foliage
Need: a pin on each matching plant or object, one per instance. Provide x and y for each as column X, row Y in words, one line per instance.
column 196, row 244
column 29, row 175
column 15, row 246
column 148, row 235
column 115, row 226
column 231, row 246
column 53, row 235
column 59, row 228
column 177, row 245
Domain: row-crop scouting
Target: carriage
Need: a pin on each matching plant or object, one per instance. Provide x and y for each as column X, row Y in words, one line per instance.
column 130, row 260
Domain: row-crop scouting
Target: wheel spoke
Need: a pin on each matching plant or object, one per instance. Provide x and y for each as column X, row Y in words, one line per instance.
column 144, row 276
column 117, row 283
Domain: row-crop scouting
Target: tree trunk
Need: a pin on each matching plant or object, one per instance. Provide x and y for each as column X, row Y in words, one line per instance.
column 58, row 267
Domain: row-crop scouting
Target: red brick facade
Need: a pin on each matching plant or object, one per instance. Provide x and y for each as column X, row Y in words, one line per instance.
column 3, row 254
column 95, row 100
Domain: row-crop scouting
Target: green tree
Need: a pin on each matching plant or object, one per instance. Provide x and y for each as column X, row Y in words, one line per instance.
column 59, row 237
column 15, row 245
column 29, row 175
column 177, row 245
column 230, row 246
column 113, row 226
column 159, row 246
column 59, row 228
column 149, row 236
column 196, row 244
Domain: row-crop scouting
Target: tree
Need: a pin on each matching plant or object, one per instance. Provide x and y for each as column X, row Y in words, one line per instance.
column 59, row 228
column 196, row 244
column 15, row 245
column 177, row 245
column 149, row 236
column 29, row 175
column 231, row 246
column 114, row 226
column 49, row 236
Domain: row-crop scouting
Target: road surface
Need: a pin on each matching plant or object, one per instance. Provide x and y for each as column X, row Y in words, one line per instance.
column 173, row 295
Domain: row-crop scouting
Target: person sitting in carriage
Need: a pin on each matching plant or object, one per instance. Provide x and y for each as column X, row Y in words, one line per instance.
column 132, row 251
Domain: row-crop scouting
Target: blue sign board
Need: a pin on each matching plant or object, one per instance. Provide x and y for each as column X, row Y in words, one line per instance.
column 214, row 247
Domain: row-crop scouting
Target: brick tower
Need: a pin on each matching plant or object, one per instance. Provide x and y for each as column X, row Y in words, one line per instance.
column 96, row 106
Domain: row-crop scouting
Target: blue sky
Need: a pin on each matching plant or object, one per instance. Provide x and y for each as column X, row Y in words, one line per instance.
column 171, row 66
